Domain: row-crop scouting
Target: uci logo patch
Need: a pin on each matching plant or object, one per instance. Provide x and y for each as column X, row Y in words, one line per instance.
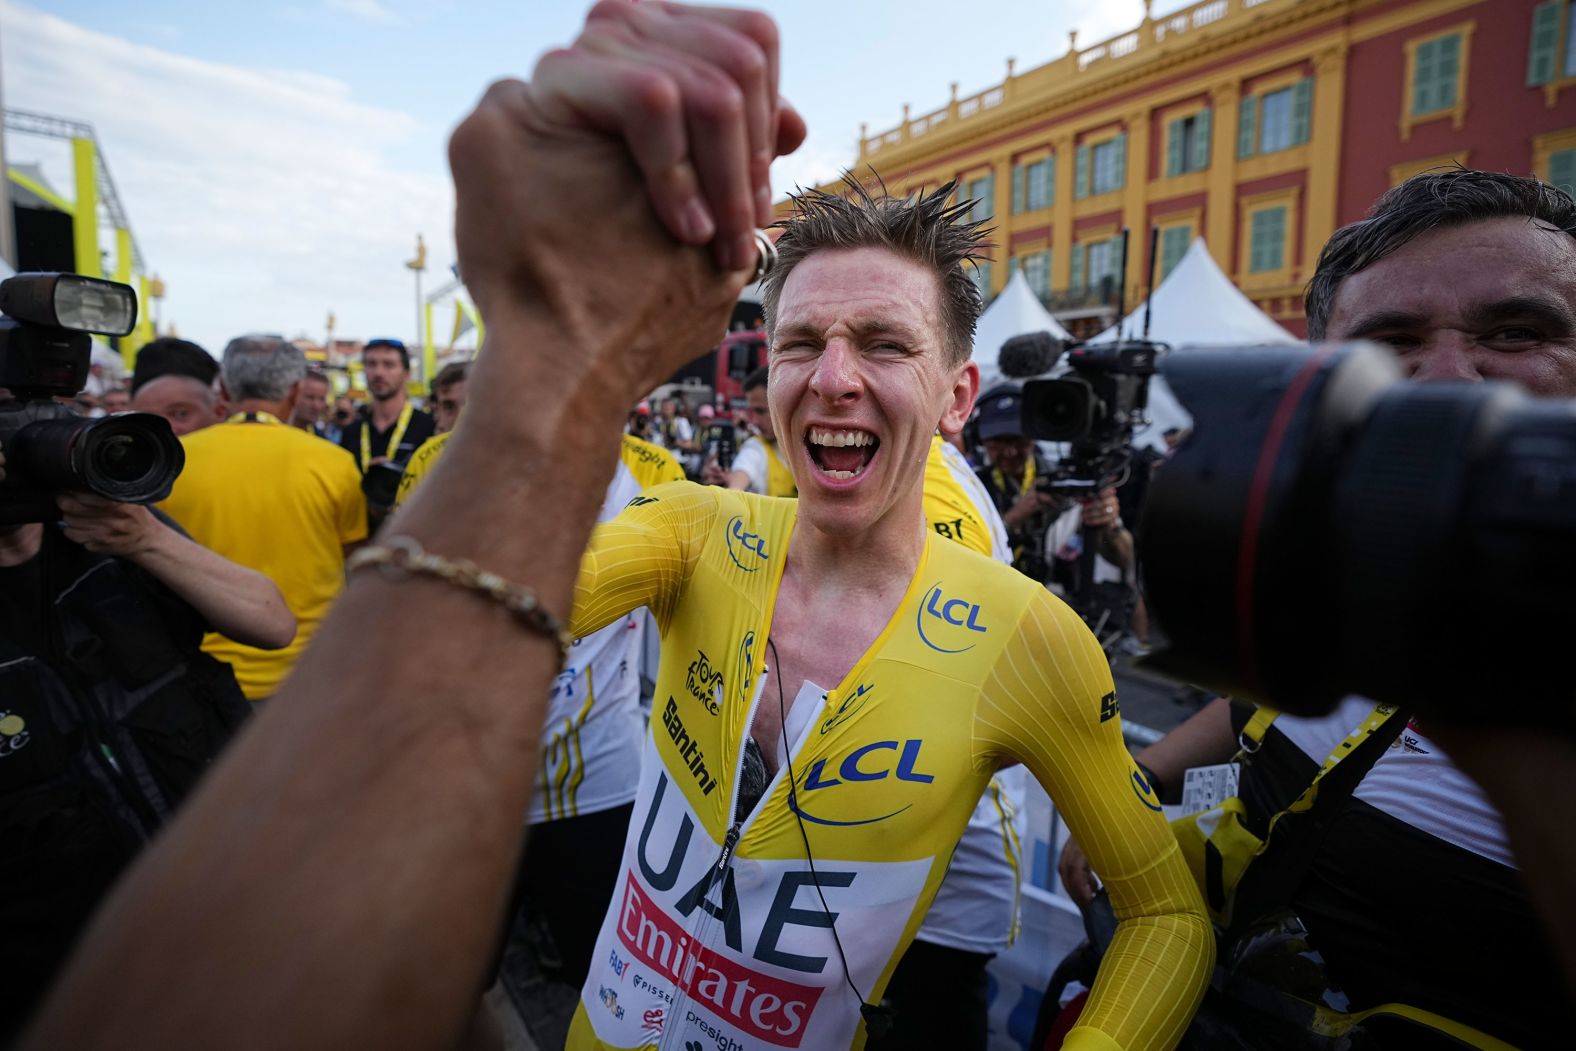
column 1145, row 791
column 944, row 616
column 872, row 762
column 744, row 546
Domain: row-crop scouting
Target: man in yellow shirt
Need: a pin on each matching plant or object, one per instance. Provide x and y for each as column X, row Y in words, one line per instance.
column 270, row 497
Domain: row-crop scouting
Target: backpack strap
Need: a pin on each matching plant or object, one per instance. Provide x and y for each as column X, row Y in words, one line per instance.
column 1273, row 878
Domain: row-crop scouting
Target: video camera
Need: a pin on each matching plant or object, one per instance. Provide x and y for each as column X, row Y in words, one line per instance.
column 1328, row 529
column 1095, row 408
column 45, row 346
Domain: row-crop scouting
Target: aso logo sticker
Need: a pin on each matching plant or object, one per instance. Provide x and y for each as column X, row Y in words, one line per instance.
column 947, row 620
column 748, row 550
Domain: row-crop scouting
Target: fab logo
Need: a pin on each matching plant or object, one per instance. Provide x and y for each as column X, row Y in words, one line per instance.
column 944, row 623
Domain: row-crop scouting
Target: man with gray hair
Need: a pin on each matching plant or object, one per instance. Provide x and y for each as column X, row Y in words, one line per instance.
column 271, row 497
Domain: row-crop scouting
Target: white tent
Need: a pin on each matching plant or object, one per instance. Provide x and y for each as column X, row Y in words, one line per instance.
column 1016, row 311
column 1195, row 305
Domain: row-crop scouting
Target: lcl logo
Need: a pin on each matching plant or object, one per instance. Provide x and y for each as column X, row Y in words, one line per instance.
column 741, row 542
column 876, row 761
column 954, row 613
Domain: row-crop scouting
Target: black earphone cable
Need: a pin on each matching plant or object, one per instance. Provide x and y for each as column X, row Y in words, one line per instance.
column 878, row 1019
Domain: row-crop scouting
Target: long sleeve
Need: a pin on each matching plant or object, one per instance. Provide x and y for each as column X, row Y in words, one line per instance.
column 1050, row 703
column 643, row 557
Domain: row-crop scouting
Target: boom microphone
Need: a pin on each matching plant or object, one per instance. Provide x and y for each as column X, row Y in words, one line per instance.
column 1029, row 355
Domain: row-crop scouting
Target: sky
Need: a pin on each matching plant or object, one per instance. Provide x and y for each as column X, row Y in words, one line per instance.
column 277, row 160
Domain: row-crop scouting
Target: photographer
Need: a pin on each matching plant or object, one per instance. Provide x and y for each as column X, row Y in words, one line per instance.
column 1045, row 532
column 109, row 711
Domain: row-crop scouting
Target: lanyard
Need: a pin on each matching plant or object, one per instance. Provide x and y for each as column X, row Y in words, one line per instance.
column 393, row 443
column 255, row 417
column 1029, row 473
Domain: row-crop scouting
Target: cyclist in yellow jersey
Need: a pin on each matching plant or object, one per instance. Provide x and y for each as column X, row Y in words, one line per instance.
column 871, row 674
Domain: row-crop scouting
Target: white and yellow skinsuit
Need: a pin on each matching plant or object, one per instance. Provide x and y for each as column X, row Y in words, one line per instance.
column 716, row 935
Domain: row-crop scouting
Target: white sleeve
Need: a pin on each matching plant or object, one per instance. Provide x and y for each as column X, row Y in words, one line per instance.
column 751, row 459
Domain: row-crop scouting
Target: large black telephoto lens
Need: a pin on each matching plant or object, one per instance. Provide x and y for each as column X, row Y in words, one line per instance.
column 1329, row 530
column 131, row 457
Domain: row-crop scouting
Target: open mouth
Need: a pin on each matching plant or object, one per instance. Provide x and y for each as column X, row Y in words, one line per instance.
column 841, row 455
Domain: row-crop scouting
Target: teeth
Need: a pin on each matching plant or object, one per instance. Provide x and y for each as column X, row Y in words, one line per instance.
column 840, row 475
column 823, row 436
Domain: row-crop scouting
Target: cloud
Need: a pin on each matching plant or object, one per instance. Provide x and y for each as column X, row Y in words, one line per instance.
column 374, row 11
column 264, row 198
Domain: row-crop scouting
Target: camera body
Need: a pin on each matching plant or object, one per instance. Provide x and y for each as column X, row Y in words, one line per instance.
column 45, row 349
column 1094, row 407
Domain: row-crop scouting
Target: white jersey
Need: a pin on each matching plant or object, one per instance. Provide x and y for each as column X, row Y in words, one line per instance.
column 751, row 459
column 976, row 908
column 1414, row 781
column 592, row 738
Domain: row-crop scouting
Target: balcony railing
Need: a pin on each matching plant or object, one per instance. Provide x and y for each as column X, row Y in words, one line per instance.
column 1066, row 72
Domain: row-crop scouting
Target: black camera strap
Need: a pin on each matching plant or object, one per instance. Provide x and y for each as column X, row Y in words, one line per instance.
column 1273, row 879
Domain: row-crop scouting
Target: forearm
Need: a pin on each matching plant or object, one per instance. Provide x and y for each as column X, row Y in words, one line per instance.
column 1202, row 740
column 236, row 601
column 738, row 480
column 372, row 750
column 1116, row 547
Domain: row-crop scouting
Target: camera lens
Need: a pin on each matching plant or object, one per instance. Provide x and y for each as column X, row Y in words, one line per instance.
column 123, row 458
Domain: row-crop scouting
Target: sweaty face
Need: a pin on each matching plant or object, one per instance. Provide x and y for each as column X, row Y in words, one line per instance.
column 386, row 372
column 859, row 383
column 447, row 405
column 187, row 403
column 760, row 413
column 1492, row 300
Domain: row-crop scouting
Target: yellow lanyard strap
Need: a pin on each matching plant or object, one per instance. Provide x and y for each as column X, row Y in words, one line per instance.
column 393, row 443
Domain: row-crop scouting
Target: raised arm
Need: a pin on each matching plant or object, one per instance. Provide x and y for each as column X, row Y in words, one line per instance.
column 338, row 878
column 1050, row 702
column 235, row 601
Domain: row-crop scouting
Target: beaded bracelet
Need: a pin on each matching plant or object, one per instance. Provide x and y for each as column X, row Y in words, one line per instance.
column 399, row 556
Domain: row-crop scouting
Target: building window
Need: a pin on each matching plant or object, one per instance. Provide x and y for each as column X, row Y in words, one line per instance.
column 982, row 192
column 1174, row 242
column 1276, row 120
column 1267, row 240
column 1562, row 171
column 1108, row 160
column 1101, row 167
column 1187, row 144
column 1436, row 75
column 1033, row 185
column 1551, row 55
column 1037, row 272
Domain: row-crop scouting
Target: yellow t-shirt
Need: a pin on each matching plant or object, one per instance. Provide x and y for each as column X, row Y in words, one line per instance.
column 716, row 929
column 280, row 501
column 650, row 464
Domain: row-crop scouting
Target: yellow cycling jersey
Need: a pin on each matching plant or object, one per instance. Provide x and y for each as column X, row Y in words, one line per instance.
column 717, row 931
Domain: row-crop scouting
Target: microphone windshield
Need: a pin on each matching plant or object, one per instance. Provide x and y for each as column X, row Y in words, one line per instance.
column 1029, row 355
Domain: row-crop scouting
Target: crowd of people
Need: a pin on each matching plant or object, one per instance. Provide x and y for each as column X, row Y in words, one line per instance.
column 284, row 754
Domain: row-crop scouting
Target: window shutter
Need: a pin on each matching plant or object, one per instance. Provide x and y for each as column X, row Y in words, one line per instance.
column 1562, row 171
column 1119, row 151
column 1045, row 283
column 1017, row 189
column 1081, row 173
column 1048, row 168
column 1447, row 72
column 987, row 195
column 1247, row 126
column 1201, row 134
column 1174, row 147
column 1075, row 279
column 1301, row 111
column 1173, row 246
column 1542, row 52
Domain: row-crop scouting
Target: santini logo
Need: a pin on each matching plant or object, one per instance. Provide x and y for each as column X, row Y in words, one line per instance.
column 689, row 752
column 744, row 546
column 856, row 768
column 944, row 617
